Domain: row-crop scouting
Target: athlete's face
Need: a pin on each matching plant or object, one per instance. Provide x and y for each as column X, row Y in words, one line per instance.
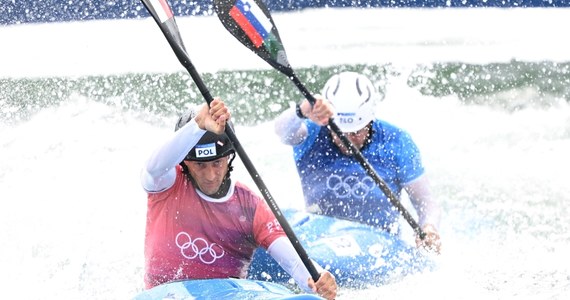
column 208, row 175
column 357, row 138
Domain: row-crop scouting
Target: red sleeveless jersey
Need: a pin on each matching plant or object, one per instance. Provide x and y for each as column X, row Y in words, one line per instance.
column 188, row 237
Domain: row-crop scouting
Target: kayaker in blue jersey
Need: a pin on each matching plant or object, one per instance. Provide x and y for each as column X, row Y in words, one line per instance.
column 334, row 183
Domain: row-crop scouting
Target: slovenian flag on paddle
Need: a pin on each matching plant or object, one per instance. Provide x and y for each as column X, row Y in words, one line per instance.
column 251, row 19
column 162, row 9
column 250, row 22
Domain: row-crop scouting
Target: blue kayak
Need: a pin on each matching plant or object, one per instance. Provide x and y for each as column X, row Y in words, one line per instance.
column 357, row 254
column 230, row 288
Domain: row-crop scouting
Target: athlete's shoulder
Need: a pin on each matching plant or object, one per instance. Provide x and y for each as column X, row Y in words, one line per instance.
column 245, row 191
column 389, row 130
column 386, row 126
column 242, row 186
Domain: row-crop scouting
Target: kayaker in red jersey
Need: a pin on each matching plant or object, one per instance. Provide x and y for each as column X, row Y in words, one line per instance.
column 200, row 222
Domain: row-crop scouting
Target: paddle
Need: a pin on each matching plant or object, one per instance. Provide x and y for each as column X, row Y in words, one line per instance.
column 250, row 22
column 162, row 14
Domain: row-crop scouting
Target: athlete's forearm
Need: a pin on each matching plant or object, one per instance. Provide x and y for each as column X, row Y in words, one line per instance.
column 290, row 128
column 421, row 198
column 284, row 253
column 159, row 171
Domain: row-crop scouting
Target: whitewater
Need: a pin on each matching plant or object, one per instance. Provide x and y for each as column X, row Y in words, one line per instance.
column 73, row 212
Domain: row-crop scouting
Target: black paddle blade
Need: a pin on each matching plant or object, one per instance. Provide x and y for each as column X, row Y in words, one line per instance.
column 250, row 23
column 162, row 14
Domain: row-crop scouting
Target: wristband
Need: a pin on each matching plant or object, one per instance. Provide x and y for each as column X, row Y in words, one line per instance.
column 299, row 112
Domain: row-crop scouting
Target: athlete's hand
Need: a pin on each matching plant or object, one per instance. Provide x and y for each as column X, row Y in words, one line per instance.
column 431, row 241
column 325, row 286
column 214, row 117
column 321, row 111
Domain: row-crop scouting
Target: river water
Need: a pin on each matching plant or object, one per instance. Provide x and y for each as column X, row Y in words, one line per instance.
column 482, row 91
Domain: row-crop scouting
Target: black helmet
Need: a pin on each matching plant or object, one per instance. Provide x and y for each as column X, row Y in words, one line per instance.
column 211, row 146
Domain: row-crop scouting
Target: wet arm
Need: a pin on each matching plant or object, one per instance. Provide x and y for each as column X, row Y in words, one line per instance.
column 420, row 195
column 290, row 128
column 284, row 253
column 429, row 213
column 159, row 172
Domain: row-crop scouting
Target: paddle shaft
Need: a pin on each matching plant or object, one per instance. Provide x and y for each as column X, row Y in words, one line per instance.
column 171, row 32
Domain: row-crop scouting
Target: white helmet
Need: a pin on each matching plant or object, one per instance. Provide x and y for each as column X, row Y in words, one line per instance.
column 354, row 97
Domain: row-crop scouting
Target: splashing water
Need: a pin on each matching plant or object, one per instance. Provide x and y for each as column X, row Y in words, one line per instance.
column 74, row 212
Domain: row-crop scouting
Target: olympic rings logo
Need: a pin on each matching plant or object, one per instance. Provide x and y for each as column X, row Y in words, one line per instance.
column 198, row 247
column 351, row 186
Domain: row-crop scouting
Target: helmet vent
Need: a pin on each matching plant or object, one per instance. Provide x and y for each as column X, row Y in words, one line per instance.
column 335, row 89
column 368, row 95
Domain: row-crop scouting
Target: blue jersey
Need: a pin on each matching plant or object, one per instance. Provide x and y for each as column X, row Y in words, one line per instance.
column 337, row 185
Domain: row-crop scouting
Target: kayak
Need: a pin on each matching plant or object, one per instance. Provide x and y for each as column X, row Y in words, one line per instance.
column 356, row 254
column 229, row 288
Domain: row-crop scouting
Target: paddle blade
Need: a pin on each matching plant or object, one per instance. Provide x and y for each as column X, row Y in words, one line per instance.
column 250, row 23
column 162, row 13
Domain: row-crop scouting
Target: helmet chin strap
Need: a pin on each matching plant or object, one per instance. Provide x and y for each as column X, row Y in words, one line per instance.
column 224, row 187
column 226, row 182
column 369, row 136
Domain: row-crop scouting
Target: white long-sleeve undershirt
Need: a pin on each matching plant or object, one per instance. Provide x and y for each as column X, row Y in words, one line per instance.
column 290, row 128
column 159, row 173
column 285, row 255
